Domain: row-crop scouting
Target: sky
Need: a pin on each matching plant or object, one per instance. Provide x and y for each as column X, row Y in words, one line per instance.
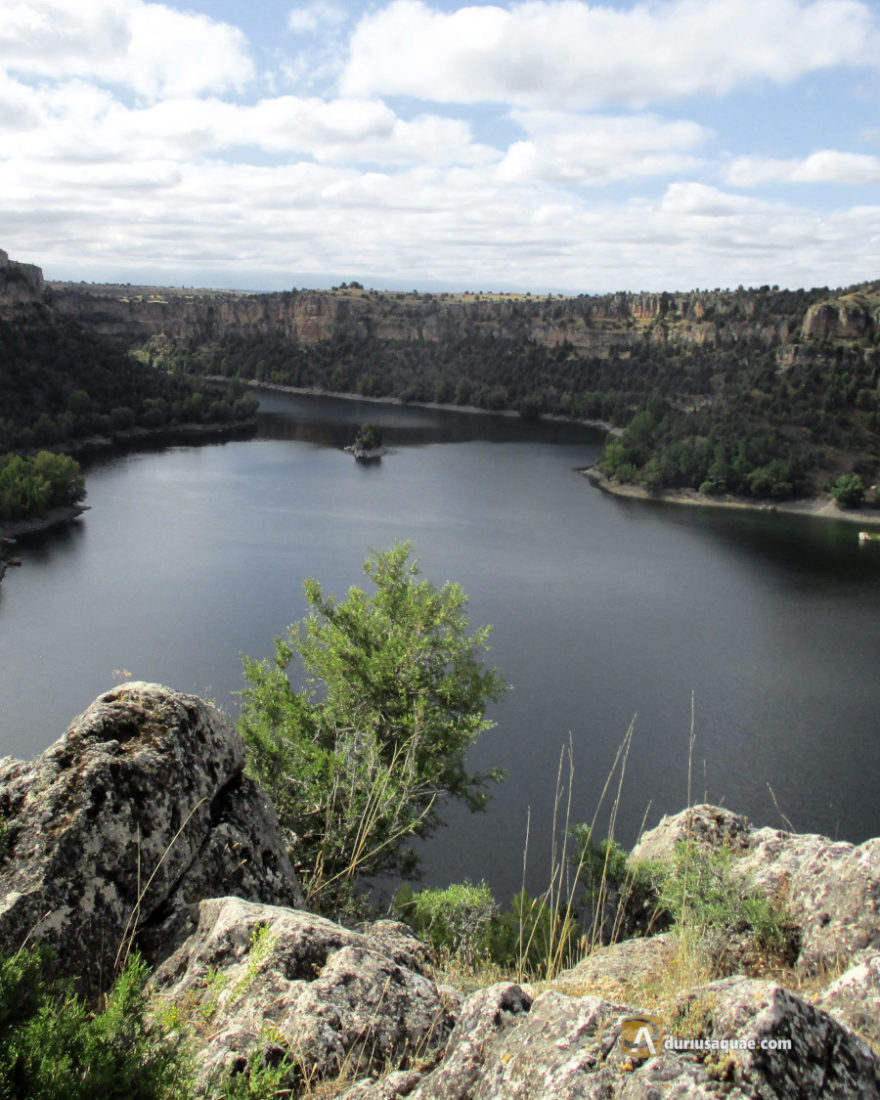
column 551, row 145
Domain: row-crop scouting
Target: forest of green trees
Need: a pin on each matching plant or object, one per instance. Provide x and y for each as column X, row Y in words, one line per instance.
column 62, row 385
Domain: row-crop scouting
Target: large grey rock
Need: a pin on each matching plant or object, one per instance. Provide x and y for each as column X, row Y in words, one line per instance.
column 853, row 999
column 707, row 826
column 829, row 889
column 565, row 1048
column 624, row 968
column 825, row 1060
column 136, row 813
column 281, row 982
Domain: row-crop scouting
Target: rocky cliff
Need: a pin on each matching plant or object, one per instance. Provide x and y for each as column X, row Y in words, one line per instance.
column 138, row 826
column 594, row 324
column 19, row 284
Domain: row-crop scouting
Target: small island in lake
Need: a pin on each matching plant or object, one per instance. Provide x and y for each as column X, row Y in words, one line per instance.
column 367, row 446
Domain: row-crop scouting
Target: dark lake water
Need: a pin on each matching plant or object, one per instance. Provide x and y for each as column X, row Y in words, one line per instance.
column 602, row 609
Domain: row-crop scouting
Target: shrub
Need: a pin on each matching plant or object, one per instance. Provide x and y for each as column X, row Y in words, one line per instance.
column 359, row 758
column 848, row 491
column 454, row 921
column 721, row 913
column 52, row 1047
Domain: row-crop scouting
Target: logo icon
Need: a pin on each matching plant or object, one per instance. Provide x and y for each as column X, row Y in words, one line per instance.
column 640, row 1036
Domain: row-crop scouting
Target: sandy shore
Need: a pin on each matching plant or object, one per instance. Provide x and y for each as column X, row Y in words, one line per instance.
column 822, row 507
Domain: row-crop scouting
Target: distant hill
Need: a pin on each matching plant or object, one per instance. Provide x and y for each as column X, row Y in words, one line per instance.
column 65, row 387
column 762, row 392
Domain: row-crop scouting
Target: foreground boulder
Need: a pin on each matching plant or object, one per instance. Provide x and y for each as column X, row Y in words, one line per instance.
column 854, row 997
column 135, row 814
column 271, row 984
column 829, row 889
column 558, row 1047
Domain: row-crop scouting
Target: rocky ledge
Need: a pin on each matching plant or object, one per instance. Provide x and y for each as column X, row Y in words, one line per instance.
column 139, row 827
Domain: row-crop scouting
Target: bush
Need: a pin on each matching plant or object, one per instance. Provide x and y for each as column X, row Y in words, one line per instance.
column 535, row 937
column 358, row 760
column 52, row 1047
column 848, row 491
column 31, row 486
column 454, row 921
column 720, row 911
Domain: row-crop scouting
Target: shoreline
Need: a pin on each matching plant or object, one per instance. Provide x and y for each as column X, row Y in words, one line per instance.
column 127, row 440
column 820, row 507
column 316, row 391
column 10, row 530
column 166, row 434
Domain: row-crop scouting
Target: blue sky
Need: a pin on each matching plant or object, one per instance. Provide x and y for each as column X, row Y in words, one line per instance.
column 550, row 145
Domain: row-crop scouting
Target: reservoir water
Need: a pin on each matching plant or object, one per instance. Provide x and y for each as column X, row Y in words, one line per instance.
column 603, row 609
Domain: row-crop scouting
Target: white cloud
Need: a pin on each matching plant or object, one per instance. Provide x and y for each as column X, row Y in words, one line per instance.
column 457, row 224
column 77, row 122
column 599, row 149
column 151, row 48
column 698, row 200
column 185, row 175
column 315, row 17
column 552, row 53
column 825, row 166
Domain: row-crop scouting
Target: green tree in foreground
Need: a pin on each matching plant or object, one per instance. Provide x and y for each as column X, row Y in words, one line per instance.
column 52, row 1047
column 360, row 758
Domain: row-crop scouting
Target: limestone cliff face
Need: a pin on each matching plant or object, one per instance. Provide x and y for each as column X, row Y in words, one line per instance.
column 597, row 325
column 19, row 284
column 593, row 325
column 840, row 320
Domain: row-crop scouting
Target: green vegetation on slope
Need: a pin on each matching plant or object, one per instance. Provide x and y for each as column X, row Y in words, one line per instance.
column 62, row 384
column 725, row 390
column 54, row 1047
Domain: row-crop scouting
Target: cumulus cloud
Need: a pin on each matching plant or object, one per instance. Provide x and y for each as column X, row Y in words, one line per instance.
column 151, row 48
column 596, row 149
column 76, row 121
column 551, row 53
column 824, row 166
column 456, row 224
column 122, row 141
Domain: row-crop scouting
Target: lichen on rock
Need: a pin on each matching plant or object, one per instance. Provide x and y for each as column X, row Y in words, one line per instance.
column 119, row 828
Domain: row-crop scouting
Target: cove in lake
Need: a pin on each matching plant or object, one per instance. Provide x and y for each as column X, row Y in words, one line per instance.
column 602, row 608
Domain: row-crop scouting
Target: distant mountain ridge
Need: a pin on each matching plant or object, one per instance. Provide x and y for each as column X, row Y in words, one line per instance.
column 594, row 323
